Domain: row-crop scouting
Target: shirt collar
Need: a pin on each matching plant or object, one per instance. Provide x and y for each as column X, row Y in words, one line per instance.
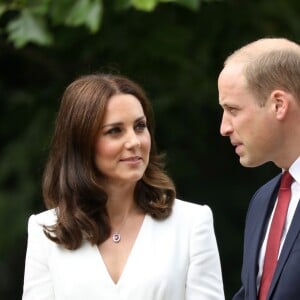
column 295, row 170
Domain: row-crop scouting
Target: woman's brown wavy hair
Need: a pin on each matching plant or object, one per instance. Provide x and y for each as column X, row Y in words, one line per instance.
column 71, row 182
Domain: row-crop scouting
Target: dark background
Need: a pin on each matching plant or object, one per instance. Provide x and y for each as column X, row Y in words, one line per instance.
column 176, row 55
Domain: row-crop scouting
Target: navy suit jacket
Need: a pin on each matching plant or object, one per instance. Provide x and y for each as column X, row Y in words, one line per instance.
column 286, row 281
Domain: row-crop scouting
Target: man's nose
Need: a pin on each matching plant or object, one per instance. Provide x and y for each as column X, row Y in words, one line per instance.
column 226, row 127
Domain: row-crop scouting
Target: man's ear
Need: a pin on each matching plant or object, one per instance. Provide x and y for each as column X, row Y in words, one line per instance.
column 280, row 102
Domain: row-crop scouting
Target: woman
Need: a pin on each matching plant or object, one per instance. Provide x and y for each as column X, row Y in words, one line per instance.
column 114, row 229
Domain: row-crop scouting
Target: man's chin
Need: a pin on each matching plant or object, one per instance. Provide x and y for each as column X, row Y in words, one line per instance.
column 248, row 163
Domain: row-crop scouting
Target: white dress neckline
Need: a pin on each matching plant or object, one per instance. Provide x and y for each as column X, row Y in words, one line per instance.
column 130, row 259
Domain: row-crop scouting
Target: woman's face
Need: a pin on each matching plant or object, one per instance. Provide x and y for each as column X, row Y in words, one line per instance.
column 123, row 143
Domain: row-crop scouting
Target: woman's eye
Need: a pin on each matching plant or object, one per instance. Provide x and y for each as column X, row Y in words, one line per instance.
column 114, row 130
column 140, row 126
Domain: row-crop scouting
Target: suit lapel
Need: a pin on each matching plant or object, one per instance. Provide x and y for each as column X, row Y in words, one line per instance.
column 287, row 246
column 265, row 200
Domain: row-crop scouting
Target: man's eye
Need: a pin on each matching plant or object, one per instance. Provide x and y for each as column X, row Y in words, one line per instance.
column 232, row 110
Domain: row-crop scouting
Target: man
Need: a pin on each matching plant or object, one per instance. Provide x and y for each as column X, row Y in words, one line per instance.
column 259, row 91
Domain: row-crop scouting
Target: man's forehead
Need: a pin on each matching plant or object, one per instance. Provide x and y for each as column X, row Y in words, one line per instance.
column 231, row 74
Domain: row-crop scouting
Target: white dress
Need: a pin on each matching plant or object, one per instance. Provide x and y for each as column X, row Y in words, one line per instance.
column 173, row 259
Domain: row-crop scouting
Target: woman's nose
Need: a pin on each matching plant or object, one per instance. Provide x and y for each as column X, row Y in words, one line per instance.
column 132, row 140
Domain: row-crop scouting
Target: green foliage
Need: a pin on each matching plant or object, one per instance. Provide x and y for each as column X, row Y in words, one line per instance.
column 32, row 20
column 2, row 9
column 149, row 5
column 28, row 27
column 191, row 4
column 77, row 13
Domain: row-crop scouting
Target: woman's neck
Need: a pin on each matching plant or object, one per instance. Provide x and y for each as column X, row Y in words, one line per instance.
column 120, row 201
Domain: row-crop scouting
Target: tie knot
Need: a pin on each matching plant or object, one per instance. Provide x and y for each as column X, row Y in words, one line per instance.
column 286, row 180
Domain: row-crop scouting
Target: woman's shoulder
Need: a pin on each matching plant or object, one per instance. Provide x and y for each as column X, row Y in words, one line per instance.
column 191, row 210
column 45, row 218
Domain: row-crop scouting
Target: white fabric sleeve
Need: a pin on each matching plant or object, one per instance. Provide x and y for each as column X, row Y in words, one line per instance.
column 37, row 277
column 204, row 278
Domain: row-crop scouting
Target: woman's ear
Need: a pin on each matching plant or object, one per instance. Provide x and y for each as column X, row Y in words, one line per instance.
column 280, row 101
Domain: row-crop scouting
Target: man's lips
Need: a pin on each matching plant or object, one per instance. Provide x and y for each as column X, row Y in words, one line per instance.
column 235, row 143
column 237, row 147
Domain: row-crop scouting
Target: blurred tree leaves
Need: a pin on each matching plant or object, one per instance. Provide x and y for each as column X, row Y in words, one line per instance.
column 76, row 13
column 30, row 20
column 28, row 27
